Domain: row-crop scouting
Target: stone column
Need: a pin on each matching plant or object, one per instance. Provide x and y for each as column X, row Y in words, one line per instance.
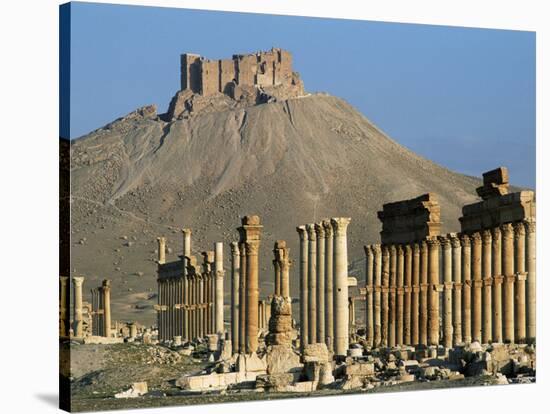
column 415, row 305
column 496, row 255
column 186, row 254
column 320, row 234
column 385, row 294
column 466, row 289
column 400, row 291
column 423, row 325
column 447, row 291
column 235, row 267
column 392, row 296
column 487, row 325
column 219, row 272
column 106, row 290
column 457, row 289
column 351, row 313
column 242, row 298
column 408, row 296
column 161, row 250
column 312, row 284
column 64, row 306
column 341, row 317
column 531, row 279
column 285, row 270
column 377, row 257
column 369, row 316
column 329, row 284
column 78, row 331
column 433, row 297
column 477, row 285
column 304, row 290
column 509, row 279
column 251, row 230
column 277, row 278
column 521, row 276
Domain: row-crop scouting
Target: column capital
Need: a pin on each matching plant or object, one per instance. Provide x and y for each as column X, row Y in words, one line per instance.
column 328, row 227
column 78, row 280
column 465, row 240
column 186, row 232
column 235, row 248
column 400, row 250
column 385, row 250
column 252, row 247
column 320, row 230
column 530, row 225
column 106, row 284
column 476, row 238
column 416, row 249
column 63, row 279
column 302, row 232
column 445, row 241
column 519, row 230
column 368, row 250
column 408, row 249
column 423, row 245
column 392, row 249
column 495, row 231
column 376, row 249
column 455, row 241
column 507, row 230
column 311, row 231
column 433, row 242
column 340, row 225
column 487, row 236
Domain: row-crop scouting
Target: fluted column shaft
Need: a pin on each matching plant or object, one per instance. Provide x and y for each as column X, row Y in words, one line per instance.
column 312, row 284
column 304, row 289
column 329, row 285
column 509, row 279
column 341, row 317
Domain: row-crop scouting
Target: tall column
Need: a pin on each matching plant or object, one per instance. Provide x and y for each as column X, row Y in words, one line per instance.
column 423, row 325
column 242, row 298
column 385, row 294
column 64, row 306
column 161, row 250
column 219, row 272
column 186, row 254
column 377, row 257
column 106, row 290
column 408, row 295
column 235, row 267
column 477, row 285
column 400, row 294
column 457, row 289
column 284, row 264
column 531, row 279
column 487, row 326
column 312, row 284
column 277, row 278
column 415, row 305
column 392, row 296
column 368, row 299
column 351, row 313
column 447, row 291
column 341, row 317
column 496, row 255
column 329, row 284
column 202, row 308
column 521, row 277
column 78, row 331
column 466, row 289
column 251, row 230
column 304, row 290
column 433, row 297
column 509, row 279
column 320, row 234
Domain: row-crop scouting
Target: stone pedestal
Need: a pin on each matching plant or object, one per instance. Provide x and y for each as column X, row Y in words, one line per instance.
column 304, row 289
column 341, row 328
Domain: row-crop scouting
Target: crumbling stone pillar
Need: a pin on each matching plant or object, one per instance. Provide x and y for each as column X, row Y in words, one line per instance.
column 498, row 278
column 220, row 273
column 457, row 289
column 312, row 284
column 477, row 285
column 400, row 295
column 251, row 232
column 385, row 294
column 329, row 284
column 433, row 297
column 341, row 328
column 64, row 306
column 161, row 250
column 408, row 295
column 106, row 291
column 487, row 326
column 242, row 297
column 531, row 279
column 320, row 234
column 466, row 289
column 368, row 300
column 423, row 340
column 521, row 277
column 447, row 291
column 392, row 296
column 415, row 311
column 304, row 290
column 509, row 279
column 377, row 257
column 235, row 267
column 78, row 331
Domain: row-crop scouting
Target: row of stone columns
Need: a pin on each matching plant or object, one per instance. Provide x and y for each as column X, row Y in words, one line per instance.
column 481, row 285
column 324, row 312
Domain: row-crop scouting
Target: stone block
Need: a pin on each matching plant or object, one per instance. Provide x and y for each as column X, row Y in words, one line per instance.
column 282, row 359
column 316, row 353
column 362, row 369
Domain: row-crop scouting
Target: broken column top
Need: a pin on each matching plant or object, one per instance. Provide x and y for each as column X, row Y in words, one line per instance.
column 495, row 183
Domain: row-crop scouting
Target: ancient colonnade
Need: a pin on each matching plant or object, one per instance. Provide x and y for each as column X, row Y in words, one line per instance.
column 324, row 311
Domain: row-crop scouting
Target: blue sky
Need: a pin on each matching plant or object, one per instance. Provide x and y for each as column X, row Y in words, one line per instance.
column 462, row 97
